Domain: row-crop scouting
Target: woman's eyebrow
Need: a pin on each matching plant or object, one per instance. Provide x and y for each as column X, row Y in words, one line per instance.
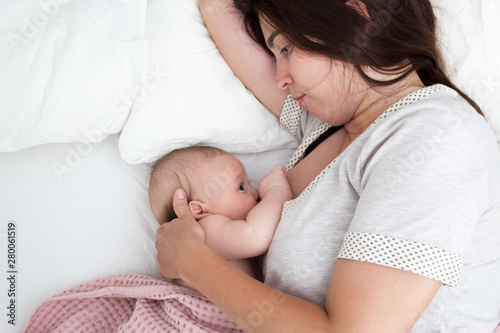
column 270, row 39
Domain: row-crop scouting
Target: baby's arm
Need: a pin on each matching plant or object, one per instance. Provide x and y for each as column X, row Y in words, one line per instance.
column 251, row 237
column 274, row 190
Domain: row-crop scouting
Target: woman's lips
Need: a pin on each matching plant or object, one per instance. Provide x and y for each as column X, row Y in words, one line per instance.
column 300, row 100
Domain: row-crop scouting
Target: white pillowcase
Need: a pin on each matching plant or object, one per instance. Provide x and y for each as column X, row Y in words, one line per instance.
column 191, row 96
column 468, row 32
column 68, row 69
column 81, row 213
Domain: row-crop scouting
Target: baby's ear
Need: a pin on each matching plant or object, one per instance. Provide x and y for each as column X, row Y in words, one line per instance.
column 198, row 209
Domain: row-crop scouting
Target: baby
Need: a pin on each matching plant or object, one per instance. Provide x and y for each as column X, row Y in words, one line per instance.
column 236, row 224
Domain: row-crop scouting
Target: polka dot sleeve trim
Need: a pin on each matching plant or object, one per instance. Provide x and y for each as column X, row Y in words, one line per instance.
column 290, row 115
column 429, row 261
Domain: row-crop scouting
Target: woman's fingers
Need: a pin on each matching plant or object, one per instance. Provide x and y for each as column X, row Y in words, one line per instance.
column 181, row 205
column 172, row 237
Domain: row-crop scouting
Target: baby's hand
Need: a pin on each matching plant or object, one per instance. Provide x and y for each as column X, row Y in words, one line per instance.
column 274, row 180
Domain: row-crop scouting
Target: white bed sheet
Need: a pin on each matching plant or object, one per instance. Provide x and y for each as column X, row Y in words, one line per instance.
column 81, row 213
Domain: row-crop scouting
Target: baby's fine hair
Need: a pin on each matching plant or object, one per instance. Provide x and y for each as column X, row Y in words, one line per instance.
column 173, row 171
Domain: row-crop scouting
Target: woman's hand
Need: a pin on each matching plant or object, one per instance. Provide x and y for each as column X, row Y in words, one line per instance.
column 173, row 239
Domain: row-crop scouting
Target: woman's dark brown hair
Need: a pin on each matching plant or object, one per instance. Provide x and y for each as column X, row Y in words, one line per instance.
column 396, row 34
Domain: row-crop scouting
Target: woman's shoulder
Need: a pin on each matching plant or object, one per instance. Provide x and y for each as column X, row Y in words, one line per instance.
column 430, row 102
column 437, row 120
column 440, row 110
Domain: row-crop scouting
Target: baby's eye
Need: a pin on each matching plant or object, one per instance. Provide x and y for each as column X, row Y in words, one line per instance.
column 241, row 188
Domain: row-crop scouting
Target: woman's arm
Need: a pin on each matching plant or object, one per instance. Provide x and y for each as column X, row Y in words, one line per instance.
column 362, row 297
column 251, row 64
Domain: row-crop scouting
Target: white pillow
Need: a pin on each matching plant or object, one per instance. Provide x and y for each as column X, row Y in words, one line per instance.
column 468, row 32
column 191, row 96
column 68, row 69
column 80, row 213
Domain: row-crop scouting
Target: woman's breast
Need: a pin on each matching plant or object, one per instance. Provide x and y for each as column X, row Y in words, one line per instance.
column 304, row 172
column 304, row 249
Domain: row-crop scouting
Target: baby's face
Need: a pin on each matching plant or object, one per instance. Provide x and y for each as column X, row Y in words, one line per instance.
column 226, row 189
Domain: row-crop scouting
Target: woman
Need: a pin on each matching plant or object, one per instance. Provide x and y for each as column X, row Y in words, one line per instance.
column 396, row 184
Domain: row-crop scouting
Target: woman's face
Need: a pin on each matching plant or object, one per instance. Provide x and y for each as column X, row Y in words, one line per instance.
column 329, row 89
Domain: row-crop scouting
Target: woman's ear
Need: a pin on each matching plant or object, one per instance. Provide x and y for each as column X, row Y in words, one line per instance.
column 360, row 7
column 198, row 209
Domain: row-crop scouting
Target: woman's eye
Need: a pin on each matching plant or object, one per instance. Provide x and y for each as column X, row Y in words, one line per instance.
column 285, row 49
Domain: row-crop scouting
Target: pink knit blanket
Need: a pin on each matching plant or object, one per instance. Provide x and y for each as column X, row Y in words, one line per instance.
column 128, row 303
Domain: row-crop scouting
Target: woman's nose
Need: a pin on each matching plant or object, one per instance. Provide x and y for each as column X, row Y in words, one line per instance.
column 283, row 77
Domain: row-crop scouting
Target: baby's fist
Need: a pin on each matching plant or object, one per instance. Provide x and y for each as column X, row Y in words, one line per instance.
column 276, row 179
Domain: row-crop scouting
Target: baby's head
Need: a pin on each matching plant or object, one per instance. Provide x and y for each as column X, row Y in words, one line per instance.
column 215, row 182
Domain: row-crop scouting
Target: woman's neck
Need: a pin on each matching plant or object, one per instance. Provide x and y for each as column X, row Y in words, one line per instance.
column 377, row 100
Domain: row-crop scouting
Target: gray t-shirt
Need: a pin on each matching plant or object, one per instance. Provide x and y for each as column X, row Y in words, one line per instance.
column 419, row 190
